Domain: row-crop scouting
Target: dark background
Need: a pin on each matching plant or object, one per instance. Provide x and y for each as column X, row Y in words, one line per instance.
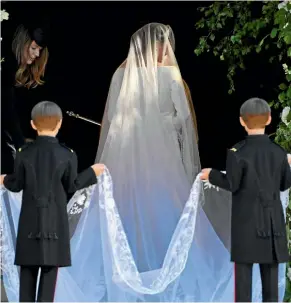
column 89, row 40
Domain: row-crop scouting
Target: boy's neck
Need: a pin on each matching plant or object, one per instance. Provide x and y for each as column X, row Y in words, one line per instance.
column 46, row 133
column 260, row 131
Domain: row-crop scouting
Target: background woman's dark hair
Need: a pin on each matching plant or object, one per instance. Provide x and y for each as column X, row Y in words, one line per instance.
column 28, row 75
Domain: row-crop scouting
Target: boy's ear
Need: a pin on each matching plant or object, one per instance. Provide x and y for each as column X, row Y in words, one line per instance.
column 242, row 122
column 269, row 120
column 60, row 124
column 32, row 125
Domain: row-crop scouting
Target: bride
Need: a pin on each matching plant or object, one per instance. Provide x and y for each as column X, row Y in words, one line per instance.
column 146, row 233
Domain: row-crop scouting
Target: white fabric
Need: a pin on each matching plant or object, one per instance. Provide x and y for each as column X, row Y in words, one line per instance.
column 125, row 272
column 147, row 108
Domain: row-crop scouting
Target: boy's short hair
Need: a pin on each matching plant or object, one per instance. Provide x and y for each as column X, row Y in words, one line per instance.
column 46, row 115
column 255, row 113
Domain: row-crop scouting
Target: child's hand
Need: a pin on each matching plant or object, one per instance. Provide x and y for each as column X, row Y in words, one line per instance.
column 2, row 179
column 98, row 169
column 289, row 158
column 205, row 174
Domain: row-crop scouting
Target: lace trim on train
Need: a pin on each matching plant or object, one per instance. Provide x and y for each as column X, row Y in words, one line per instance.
column 124, row 267
column 7, row 254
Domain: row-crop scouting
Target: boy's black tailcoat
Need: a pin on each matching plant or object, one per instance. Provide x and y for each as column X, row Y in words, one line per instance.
column 46, row 171
column 257, row 170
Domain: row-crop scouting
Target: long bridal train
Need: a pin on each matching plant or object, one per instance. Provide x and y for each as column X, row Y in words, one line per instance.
column 195, row 266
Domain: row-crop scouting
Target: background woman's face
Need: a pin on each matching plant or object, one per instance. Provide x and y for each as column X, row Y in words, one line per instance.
column 32, row 53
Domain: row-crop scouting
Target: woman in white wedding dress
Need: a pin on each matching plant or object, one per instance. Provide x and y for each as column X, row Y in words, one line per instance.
column 159, row 238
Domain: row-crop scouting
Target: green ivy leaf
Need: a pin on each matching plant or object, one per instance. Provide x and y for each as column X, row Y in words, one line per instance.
column 281, row 97
column 262, row 42
column 208, row 12
column 212, row 37
column 282, row 86
column 288, row 94
column 234, row 39
column 287, row 39
column 289, row 52
column 219, row 25
column 258, row 49
column 197, row 51
column 274, row 33
column 276, row 105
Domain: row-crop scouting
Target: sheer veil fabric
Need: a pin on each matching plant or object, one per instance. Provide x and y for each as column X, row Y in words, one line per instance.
column 149, row 231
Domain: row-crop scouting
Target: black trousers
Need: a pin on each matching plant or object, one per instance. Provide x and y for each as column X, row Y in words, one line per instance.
column 28, row 283
column 243, row 282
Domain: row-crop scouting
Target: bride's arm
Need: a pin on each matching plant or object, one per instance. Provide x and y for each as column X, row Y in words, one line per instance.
column 181, row 97
column 191, row 106
column 185, row 129
column 180, row 102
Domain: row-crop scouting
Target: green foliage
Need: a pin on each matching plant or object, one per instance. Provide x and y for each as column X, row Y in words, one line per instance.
column 256, row 27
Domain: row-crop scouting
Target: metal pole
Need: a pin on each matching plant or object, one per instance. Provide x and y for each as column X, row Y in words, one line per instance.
column 72, row 114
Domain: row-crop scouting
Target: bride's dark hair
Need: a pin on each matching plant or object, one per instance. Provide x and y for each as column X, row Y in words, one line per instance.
column 148, row 36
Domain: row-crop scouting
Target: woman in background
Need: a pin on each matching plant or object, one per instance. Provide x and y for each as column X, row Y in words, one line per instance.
column 19, row 78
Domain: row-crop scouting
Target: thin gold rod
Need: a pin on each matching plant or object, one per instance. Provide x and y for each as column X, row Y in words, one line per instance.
column 72, row 114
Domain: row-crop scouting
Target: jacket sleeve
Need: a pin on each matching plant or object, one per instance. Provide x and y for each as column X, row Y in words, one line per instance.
column 11, row 122
column 234, row 171
column 285, row 176
column 72, row 181
column 219, row 179
column 15, row 182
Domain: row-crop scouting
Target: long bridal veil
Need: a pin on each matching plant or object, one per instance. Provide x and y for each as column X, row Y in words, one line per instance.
column 149, row 231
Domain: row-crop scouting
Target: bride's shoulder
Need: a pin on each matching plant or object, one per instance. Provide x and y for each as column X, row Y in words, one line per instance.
column 122, row 65
column 172, row 72
column 119, row 71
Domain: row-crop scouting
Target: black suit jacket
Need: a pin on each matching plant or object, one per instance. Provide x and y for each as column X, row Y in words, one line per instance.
column 46, row 172
column 256, row 171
